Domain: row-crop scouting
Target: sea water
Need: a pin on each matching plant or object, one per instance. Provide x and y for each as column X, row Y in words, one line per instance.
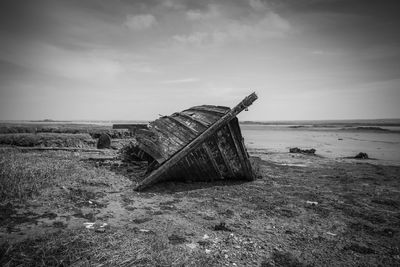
column 332, row 142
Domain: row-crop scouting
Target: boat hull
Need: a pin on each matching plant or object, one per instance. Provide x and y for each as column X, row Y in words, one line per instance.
column 203, row 143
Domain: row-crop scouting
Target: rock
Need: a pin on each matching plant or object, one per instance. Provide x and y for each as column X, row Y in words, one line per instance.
column 361, row 155
column 141, row 220
column 302, row 151
column 175, row 239
column 104, row 141
column 89, row 225
column 359, row 249
column 59, row 224
column 204, row 243
column 100, row 230
column 191, row 245
column 222, row 227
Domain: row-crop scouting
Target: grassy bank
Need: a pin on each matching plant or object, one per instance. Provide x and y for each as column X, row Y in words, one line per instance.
column 93, row 130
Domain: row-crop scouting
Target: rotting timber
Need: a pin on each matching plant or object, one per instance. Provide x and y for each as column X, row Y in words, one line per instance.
column 202, row 143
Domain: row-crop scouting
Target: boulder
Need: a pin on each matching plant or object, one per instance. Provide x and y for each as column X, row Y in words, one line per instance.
column 104, row 141
column 302, row 151
column 361, row 155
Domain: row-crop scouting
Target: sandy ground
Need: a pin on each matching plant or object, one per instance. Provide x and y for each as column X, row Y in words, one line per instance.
column 302, row 210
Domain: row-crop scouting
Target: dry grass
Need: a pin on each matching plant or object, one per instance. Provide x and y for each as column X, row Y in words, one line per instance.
column 23, row 176
column 26, row 175
column 87, row 248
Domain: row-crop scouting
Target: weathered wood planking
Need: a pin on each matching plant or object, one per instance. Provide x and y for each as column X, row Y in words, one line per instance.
column 198, row 144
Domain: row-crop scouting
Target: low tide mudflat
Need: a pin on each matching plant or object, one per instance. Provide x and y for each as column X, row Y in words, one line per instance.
column 79, row 208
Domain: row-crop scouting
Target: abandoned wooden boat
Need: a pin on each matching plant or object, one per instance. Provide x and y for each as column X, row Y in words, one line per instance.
column 202, row 143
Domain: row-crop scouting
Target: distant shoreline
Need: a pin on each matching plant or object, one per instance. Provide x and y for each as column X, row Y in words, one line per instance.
column 372, row 124
column 329, row 123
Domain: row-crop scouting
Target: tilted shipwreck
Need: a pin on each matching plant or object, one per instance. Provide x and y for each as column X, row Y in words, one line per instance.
column 202, row 143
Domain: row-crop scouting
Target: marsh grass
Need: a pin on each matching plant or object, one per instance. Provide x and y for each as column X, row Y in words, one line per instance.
column 26, row 175
column 87, row 248
column 23, row 176
column 47, row 140
column 93, row 130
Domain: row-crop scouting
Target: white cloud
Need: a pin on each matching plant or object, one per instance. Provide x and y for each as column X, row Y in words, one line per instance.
column 257, row 5
column 93, row 66
column 140, row 22
column 274, row 22
column 270, row 25
column 325, row 53
column 172, row 4
column 194, row 15
column 196, row 38
column 186, row 80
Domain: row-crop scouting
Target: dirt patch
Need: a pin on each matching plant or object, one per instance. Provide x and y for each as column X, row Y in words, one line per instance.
column 86, row 198
column 12, row 216
column 387, row 202
column 359, row 249
column 141, row 220
column 176, row 239
column 284, row 259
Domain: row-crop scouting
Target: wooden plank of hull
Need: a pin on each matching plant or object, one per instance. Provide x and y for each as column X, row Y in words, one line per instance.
column 200, row 126
column 178, row 157
column 186, row 129
column 194, row 167
column 213, row 162
column 212, row 171
column 208, row 108
column 224, row 157
column 148, row 147
column 210, row 111
column 240, row 148
column 225, row 160
column 199, row 118
column 169, row 134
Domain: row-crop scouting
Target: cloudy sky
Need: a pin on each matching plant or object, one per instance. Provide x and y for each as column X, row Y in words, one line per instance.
column 102, row 59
